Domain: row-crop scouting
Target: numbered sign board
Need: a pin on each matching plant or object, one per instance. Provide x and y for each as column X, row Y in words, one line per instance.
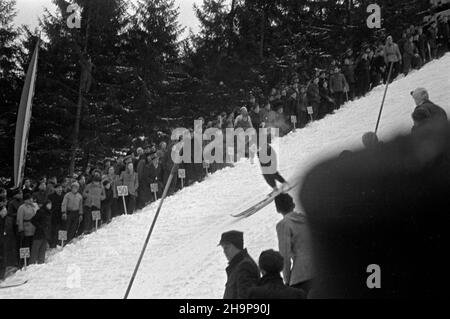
column 24, row 253
column 154, row 187
column 294, row 119
column 62, row 235
column 310, row 110
column 122, row 190
column 181, row 173
column 96, row 215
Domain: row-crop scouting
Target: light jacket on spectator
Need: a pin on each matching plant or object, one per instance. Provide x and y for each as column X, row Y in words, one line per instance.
column 72, row 203
column 131, row 181
column 392, row 53
column 24, row 215
column 93, row 195
column 295, row 244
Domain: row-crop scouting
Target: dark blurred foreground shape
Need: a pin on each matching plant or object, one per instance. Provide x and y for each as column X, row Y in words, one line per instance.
column 389, row 206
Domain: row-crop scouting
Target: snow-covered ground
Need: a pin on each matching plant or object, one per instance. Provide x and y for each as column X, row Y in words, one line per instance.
column 182, row 259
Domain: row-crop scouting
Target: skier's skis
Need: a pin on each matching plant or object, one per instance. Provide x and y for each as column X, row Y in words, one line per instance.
column 265, row 202
column 12, row 283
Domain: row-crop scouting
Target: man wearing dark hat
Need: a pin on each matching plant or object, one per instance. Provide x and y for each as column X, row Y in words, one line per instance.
column 271, row 285
column 242, row 271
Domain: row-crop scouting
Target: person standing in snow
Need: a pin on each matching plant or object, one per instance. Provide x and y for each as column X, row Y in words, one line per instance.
column 93, row 195
column 3, row 247
column 314, row 97
column 426, row 110
column 56, row 198
column 392, row 55
column 271, row 285
column 338, row 87
column 42, row 235
column 24, row 215
column 72, row 210
column 242, row 271
column 129, row 178
column 294, row 244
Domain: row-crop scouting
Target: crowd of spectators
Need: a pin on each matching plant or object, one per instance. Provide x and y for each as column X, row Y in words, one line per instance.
column 32, row 215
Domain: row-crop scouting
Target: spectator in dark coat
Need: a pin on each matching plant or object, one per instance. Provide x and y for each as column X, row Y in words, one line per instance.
column 314, row 97
column 432, row 40
column 349, row 72
column 56, row 198
column 12, row 234
column 363, row 74
column 43, row 233
column 409, row 53
column 426, row 110
column 107, row 202
column 41, row 195
column 255, row 115
column 371, row 212
column 3, row 247
column 271, row 285
column 422, row 44
column 327, row 104
column 242, row 271
column 338, row 87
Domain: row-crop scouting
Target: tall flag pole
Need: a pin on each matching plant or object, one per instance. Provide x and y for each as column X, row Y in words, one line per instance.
column 24, row 117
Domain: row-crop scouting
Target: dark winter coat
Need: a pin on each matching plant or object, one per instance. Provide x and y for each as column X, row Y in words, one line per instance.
column 313, row 93
column 381, row 207
column 243, row 274
column 56, row 207
column 109, row 195
column 338, row 83
column 43, row 223
column 426, row 112
column 349, row 73
column 272, row 287
column 41, row 197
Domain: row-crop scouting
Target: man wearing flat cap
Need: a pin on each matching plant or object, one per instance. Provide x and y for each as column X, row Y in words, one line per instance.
column 242, row 271
column 426, row 110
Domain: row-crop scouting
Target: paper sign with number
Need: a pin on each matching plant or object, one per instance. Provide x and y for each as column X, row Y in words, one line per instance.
column 310, row 110
column 122, row 190
column 181, row 173
column 294, row 119
column 154, row 187
column 62, row 235
column 96, row 215
column 24, row 253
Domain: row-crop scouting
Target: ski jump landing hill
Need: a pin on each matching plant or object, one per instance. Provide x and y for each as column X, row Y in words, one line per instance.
column 182, row 259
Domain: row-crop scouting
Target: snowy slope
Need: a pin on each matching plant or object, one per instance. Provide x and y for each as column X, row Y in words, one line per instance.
column 182, row 259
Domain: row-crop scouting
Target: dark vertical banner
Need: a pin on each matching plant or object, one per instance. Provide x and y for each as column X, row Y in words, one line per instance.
column 24, row 117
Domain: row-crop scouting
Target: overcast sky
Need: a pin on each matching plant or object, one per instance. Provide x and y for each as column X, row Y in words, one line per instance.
column 30, row 10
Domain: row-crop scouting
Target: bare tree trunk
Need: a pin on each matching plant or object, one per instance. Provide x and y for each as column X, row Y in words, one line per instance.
column 76, row 131
column 262, row 35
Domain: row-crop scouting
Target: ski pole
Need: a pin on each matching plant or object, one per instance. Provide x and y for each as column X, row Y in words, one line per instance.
column 384, row 96
column 166, row 189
